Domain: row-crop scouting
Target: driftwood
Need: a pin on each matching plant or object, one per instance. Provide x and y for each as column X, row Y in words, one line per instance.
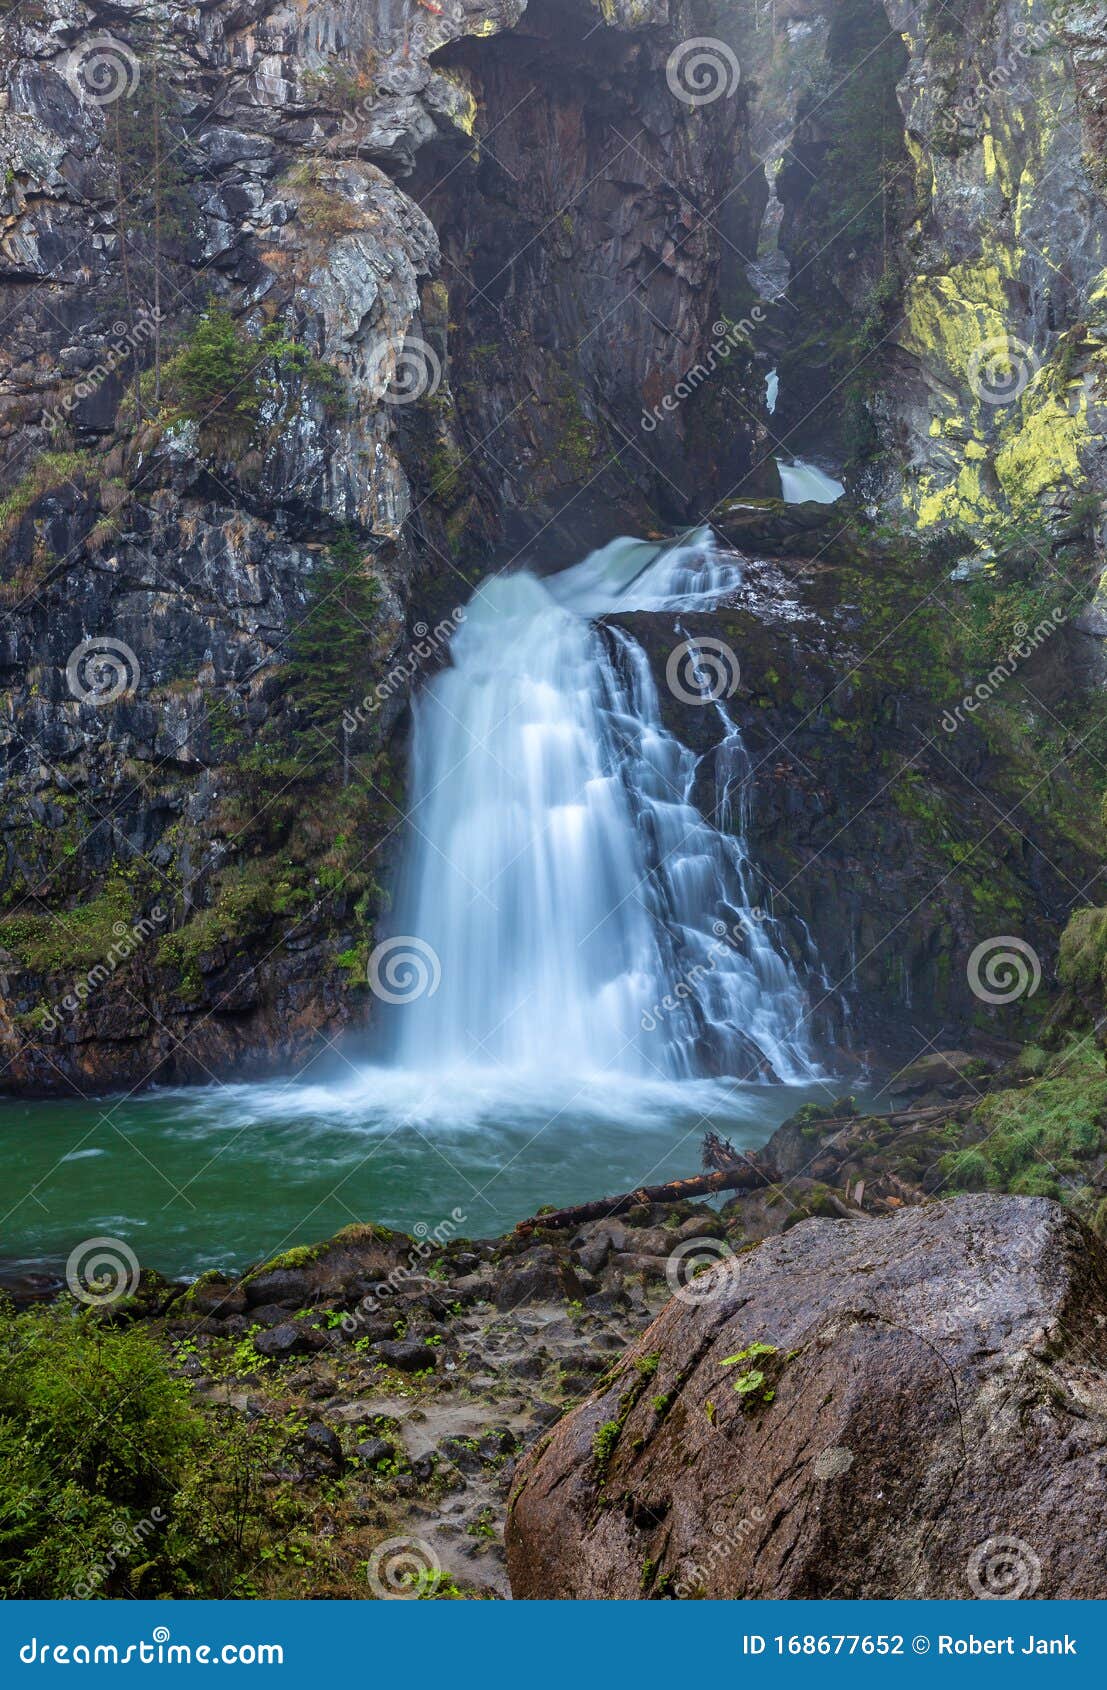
column 750, row 1175
column 731, row 1170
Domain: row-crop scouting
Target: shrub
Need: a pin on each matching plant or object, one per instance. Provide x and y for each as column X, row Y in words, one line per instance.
column 112, row 1482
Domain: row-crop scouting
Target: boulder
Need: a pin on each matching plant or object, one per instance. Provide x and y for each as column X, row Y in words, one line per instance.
column 909, row 1407
column 290, row 1338
column 372, row 1451
column 406, row 1354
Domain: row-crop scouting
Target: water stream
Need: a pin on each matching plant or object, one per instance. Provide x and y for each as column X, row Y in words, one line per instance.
column 590, row 983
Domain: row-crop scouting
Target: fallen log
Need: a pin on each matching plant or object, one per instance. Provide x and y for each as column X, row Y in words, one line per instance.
column 749, row 1176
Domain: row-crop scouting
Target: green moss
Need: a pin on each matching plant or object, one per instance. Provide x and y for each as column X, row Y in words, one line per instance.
column 74, row 938
column 50, row 471
column 1038, row 1140
column 604, row 1442
column 243, row 904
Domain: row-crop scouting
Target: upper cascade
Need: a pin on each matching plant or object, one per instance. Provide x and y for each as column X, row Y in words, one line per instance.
column 585, row 915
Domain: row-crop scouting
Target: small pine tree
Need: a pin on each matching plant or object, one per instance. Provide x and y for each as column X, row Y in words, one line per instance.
column 215, row 376
column 330, row 645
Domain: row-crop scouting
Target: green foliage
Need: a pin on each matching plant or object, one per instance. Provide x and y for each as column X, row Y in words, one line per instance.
column 1038, row 1140
column 50, row 471
column 216, row 376
column 221, row 377
column 756, row 1385
column 111, row 1482
column 72, row 938
column 330, row 647
column 604, row 1442
column 244, row 903
column 1082, row 963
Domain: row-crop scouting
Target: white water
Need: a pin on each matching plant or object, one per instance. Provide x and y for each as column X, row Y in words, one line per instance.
column 587, row 919
column 800, row 481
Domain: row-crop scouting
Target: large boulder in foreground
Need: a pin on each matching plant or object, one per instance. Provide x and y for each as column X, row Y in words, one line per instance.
column 909, row 1407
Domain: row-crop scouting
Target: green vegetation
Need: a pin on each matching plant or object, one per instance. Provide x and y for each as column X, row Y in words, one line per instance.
column 756, row 1385
column 1039, row 1140
column 221, row 376
column 50, row 471
column 603, row 1444
column 111, row 1482
column 331, row 647
column 319, row 205
column 244, row 903
column 72, row 938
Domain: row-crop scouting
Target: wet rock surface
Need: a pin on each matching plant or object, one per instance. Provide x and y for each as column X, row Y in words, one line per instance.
column 911, row 1407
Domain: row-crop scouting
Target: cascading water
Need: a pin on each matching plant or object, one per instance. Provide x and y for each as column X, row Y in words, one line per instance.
column 800, row 481
column 605, row 988
column 585, row 916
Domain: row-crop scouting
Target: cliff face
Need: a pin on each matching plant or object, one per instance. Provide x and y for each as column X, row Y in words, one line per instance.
column 373, row 194
column 315, row 313
column 941, row 194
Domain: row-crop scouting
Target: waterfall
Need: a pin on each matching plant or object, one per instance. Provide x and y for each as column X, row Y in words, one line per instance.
column 800, row 481
column 582, row 914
